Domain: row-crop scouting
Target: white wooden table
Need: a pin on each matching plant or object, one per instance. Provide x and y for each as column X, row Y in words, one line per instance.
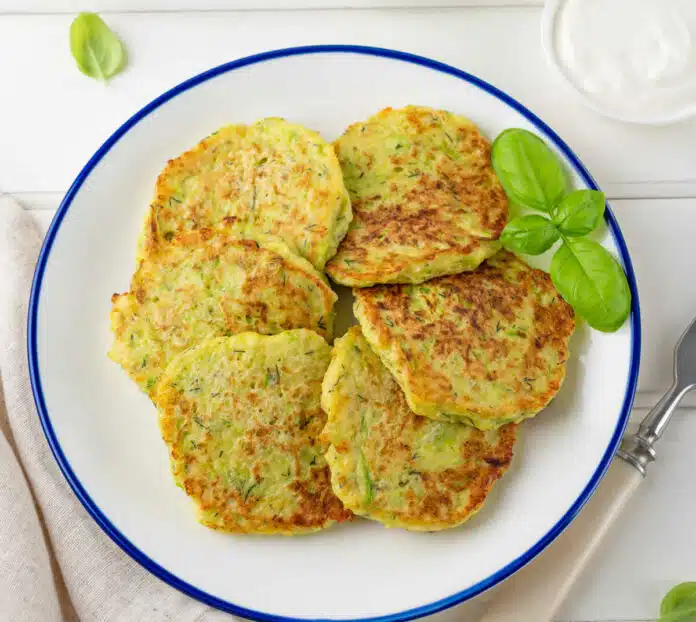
column 52, row 119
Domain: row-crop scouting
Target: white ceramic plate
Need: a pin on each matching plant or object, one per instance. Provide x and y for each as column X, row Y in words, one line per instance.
column 104, row 433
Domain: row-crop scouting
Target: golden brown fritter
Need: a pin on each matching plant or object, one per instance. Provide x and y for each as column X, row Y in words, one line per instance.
column 242, row 418
column 487, row 347
column 209, row 283
column 425, row 198
column 276, row 177
column 394, row 466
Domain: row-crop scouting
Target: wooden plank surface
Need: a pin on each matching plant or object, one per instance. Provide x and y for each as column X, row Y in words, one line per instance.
column 54, row 118
column 73, row 6
column 650, row 549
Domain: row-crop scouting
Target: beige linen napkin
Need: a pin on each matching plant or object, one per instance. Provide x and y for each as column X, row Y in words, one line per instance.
column 55, row 562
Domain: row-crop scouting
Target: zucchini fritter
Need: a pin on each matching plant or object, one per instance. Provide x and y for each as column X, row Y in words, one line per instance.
column 241, row 416
column 276, row 177
column 425, row 198
column 487, row 347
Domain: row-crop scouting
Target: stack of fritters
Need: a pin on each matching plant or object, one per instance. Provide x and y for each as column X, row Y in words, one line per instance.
column 209, row 283
column 412, row 418
column 423, row 398
column 225, row 323
column 394, row 466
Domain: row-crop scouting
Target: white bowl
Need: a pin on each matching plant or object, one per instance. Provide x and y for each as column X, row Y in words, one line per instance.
column 549, row 18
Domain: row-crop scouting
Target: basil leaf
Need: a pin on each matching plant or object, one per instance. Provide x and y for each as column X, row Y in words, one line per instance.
column 531, row 234
column 679, row 605
column 529, row 171
column 683, row 614
column 580, row 212
column 592, row 282
column 98, row 52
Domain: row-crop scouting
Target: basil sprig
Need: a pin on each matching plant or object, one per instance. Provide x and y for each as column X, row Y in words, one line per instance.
column 588, row 277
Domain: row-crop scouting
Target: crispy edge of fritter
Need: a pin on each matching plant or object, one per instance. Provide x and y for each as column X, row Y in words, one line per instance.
column 437, row 263
column 343, row 215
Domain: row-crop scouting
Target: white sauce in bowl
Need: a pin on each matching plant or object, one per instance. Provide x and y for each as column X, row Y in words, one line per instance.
column 632, row 59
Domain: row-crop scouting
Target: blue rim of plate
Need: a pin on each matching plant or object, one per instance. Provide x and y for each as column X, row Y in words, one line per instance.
column 193, row 591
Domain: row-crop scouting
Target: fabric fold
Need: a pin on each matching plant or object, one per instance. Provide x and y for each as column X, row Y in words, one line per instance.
column 102, row 582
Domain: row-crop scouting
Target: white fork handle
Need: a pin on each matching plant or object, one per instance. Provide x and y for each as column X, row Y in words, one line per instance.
column 536, row 592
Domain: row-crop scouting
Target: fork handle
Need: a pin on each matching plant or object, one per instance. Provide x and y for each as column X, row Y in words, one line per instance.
column 536, row 592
